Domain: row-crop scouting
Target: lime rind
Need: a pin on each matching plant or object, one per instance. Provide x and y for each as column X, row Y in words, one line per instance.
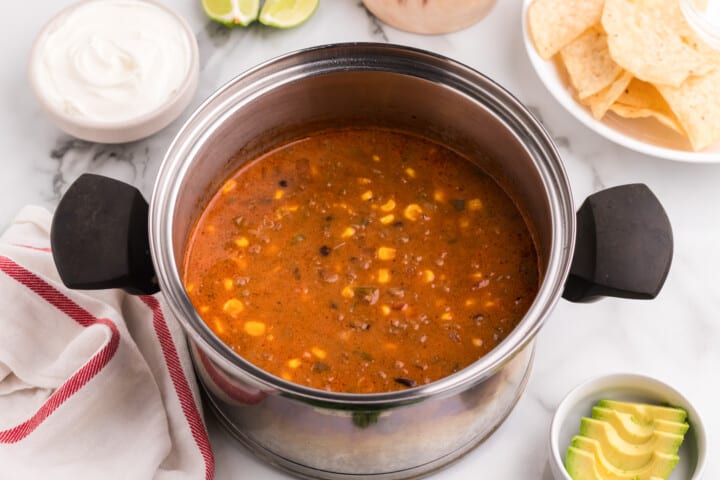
column 287, row 13
column 241, row 14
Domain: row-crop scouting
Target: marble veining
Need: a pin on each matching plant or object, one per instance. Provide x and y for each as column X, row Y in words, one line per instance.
column 675, row 338
column 378, row 28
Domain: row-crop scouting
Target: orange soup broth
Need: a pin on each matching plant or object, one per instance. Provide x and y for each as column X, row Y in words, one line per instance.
column 361, row 261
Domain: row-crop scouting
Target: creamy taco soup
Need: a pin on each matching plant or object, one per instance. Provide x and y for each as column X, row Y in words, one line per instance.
column 361, row 261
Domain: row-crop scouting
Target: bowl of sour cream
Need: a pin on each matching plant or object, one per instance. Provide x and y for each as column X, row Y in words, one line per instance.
column 114, row 71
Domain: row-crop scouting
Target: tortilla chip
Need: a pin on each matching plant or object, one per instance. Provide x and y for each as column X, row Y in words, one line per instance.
column 626, row 111
column 588, row 62
column 600, row 102
column 641, row 100
column 555, row 23
column 696, row 104
column 647, row 38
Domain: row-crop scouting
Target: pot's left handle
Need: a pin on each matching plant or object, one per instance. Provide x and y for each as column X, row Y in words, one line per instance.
column 623, row 246
column 99, row 237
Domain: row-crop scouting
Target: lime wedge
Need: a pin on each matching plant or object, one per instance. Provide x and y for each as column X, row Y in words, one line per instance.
column 287, row 13
column 232, row 12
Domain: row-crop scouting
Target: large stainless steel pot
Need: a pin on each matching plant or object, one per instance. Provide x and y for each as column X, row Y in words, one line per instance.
column 625, row 249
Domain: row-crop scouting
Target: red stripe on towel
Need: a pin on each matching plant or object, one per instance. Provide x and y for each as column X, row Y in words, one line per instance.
column 39, row 249
column 98, row 361
column 182, row 388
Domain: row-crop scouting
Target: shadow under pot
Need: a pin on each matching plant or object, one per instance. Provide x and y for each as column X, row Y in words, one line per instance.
column 619, row 243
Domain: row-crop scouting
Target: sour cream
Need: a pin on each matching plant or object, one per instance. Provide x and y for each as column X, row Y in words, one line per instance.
column 109, row 61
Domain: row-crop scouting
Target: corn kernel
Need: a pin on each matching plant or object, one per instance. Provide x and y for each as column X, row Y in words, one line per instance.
column 428, row 276
column 477, row 275
column 412, row 211
column 383, row 275
column 286, row 376
column 376, row 158
column 410, row 172
column 219, row 326
column 279, row 194
column 189, row 287
column 477, row 342
column 204, row 309
column 385, row 309
column 291, row 208
column 364, row 181
column 348, row 292
column 464, row 223
column 229, row 186
column 319, row 352
column 388, row 206
column 228, row 283
column 470, row 302
column 386, row 253
column 242, row 242
column 489, row 303
column 294, row 363
column 447, row 316
column 439, row 196
column 367, row 195
column 254, row 329
column 387, row 219
column 233, row 307
column 474, row 204
column 348, row 232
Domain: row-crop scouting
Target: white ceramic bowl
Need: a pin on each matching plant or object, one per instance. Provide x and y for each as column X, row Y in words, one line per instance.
column 637, row 388
column 644, row 135
column 127, row 130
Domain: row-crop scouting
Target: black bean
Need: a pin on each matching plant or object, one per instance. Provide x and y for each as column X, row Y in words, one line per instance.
column 406, row 382
column 283, row 183
column 459, row 204
column 325, row 250
column 319, row 367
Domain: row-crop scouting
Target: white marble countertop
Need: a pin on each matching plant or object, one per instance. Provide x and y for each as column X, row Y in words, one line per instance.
column 675, row 338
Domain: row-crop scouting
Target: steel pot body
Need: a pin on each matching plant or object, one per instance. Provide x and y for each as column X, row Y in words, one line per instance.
column 391, row 435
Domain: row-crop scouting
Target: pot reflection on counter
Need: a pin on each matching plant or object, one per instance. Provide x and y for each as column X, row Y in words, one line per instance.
column 624, row 248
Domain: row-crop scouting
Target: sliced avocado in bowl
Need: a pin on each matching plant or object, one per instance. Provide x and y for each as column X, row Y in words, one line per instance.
column 627, row 441
column 632, row 429
column 584, row 464
column 626, row 455
column 646, row 413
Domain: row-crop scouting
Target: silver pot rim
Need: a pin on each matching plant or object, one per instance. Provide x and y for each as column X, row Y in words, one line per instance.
column 368, row 57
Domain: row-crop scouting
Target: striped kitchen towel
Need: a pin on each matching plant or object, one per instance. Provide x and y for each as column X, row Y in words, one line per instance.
column 93, row 385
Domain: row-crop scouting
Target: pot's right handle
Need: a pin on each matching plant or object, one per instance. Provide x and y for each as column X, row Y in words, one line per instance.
column 623, row 246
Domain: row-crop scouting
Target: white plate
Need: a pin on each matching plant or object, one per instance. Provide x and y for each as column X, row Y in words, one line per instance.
column 646, row 135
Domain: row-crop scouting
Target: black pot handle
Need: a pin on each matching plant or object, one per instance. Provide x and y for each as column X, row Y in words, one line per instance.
column 99, row 237
column 623, row 246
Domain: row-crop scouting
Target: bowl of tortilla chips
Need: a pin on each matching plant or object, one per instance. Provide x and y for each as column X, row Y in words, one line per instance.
column 634, row 71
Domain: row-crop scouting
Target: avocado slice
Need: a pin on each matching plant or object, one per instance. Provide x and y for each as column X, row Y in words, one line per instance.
column 623, row 454
column 644, row 412
column 632, row 430
column 585, row 461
